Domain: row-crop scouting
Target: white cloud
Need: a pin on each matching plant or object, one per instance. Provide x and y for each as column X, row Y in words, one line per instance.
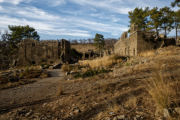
column 15, row 2
column 1, row 8
column 50, row 24
column 29, row 12
column 101, row 27
column 57, row 2
column 109, row 5
column 42, row 27
column 98, row 16
column 121, row 6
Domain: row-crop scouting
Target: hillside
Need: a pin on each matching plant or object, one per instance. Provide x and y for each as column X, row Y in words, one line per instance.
column 145, row 87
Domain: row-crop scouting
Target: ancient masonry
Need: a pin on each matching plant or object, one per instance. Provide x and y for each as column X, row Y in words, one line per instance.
column 137, row 42
column 39, row 52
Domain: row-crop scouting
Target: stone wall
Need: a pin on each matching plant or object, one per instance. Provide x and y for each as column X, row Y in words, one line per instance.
column 39, row 52
column 144, row 42
column 137, row 42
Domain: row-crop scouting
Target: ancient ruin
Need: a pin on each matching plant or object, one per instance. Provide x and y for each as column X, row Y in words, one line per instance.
column 139, row 41
column 39, row 52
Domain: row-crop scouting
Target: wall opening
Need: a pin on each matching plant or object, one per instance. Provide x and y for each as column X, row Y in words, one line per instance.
column 134, row 52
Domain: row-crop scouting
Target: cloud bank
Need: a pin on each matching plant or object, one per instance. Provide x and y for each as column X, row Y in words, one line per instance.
column 72, row 18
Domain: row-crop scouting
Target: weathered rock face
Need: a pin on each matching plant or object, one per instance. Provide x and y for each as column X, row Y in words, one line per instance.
column 39, row 52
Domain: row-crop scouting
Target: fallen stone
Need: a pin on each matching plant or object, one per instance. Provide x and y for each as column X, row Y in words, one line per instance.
column 166, row 113
column 76, row 110
column 29, row 113
column 111, row 113
column 177, row 110
column 120, row 117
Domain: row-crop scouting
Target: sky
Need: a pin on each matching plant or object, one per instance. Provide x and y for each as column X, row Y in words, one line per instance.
column 72, row 19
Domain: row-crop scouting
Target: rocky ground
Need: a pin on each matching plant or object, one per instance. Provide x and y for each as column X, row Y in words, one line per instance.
column 118, row 95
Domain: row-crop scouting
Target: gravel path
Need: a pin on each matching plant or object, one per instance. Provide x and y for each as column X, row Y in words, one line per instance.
column 37, row 92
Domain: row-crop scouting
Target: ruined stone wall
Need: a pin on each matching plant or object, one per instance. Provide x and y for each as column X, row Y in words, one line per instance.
column 65, row 51
column 39, row 52
column 137, row 42
column 126, row 46
column 143, row 41
column 133, row 44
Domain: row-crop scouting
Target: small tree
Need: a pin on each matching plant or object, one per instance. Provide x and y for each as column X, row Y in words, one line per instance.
column 19, row 33
column 16, row 35
column 99, row 42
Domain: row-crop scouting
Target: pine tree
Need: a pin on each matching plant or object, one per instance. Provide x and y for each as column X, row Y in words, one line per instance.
column 99, row 42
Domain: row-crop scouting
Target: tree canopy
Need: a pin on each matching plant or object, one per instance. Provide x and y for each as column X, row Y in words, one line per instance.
column 175, row 3
column 163, row 19
column 19, row 33
column 155, row 20
column 139, row 17
column 16, row 34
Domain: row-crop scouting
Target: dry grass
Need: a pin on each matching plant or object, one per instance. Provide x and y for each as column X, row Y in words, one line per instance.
column 33, row 72
column 105, row 61
column 160, row 91
column 165, row 93
column 131, row 103
column 66, row 67
column 149, row 53
column 60, row 90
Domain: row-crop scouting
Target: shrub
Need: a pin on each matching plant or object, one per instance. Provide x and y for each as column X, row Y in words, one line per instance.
column 31, row 72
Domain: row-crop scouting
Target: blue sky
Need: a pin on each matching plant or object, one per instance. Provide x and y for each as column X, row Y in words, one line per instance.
column 72, row 19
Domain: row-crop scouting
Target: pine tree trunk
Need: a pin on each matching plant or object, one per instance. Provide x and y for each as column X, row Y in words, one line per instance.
column 165, row 32
column 157, row 34
column 176, row 32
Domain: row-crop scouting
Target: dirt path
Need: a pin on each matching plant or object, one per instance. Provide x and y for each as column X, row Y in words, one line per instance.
column 41, row 91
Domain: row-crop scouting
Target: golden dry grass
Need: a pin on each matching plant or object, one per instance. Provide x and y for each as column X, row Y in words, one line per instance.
column 165, row 93
column 149, row 53
column 33, row 72
column 66, row 67
column 160, row 91
column 105, row 61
